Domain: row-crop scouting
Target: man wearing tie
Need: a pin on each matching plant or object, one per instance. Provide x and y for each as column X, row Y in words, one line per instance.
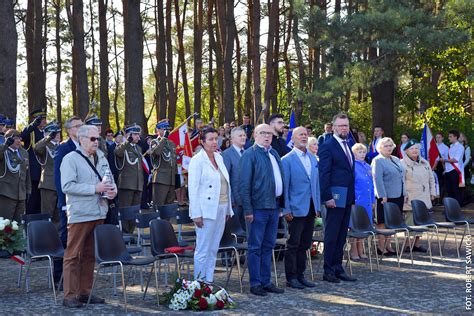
column 302, row 201
column 336, row 178
column 231, row 157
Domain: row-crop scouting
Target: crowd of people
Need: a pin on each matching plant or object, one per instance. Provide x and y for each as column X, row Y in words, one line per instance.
column 243, row 171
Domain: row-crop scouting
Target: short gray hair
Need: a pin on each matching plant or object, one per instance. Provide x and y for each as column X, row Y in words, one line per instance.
column 84, row 131
column 68, row 123
column 236, row 130
column 384, row 141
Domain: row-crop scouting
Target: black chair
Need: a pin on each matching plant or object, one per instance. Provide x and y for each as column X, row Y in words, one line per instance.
column 128, row 213
column 181, row 215
column 422, row 217
column 110, row 250
column 168, row 211
column 227, row 243
column 143, row 222
column 43, row 243
column 236, row 228
column 394, row 221
column 453, row 214
column 25, row 220
column 162, row 236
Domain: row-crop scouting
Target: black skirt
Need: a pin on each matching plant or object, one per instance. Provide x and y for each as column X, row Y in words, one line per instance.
column 380, row 215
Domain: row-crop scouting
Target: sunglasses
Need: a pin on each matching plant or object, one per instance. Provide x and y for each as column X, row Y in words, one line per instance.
column 93, row 139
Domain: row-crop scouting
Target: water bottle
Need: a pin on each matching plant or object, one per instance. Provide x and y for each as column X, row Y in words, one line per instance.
column 108, row 178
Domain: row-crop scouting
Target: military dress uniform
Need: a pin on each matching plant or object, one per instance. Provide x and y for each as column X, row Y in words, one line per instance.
column 128, row 160
column 30, row 136
column 45, row 151
column 163, row 159
column 15, row 182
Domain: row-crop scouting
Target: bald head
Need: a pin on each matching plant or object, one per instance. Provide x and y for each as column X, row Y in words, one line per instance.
column 263, row 135
column 300, row 138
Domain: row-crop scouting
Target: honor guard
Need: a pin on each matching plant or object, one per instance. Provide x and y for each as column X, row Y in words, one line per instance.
column 15, row 182
column 45, row 151
column 163, row 159
column 111, row 154
column 96, row 121
column 31, row 135
column 128, row 160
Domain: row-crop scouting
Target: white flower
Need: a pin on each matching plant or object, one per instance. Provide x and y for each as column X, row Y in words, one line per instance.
column 221, row 295
column 1, row 218
column 2, row 226
column 211, row 300
column 15, row 226
column 7, row 222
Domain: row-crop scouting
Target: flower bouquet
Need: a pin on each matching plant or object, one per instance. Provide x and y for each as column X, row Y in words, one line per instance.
column 11, row 238
column 197, row 295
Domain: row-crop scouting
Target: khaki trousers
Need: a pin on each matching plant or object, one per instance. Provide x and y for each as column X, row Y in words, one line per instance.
column 129, row 198
column 49, row 199
column 12, row 209
column 163, row 194
column 79, row 259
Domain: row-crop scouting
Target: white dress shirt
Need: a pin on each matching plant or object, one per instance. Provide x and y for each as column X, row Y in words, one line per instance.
column 456, row 151
column 276, row 173
column 340, row 141
column 303, row 156
column 237, row 149
column 443, row 150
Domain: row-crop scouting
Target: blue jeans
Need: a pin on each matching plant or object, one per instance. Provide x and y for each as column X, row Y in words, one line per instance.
column 261, row 241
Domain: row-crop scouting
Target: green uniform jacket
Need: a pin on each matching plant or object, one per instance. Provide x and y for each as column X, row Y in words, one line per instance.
column 14, row 185
column 131, row 175
column 163, row 157
column 47, row 167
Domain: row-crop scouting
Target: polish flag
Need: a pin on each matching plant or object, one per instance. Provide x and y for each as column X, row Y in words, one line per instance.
column 180, row 138
column 429, row 150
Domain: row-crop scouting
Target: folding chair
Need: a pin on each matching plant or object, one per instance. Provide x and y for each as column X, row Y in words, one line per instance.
column 453, row 214
column 227, row 243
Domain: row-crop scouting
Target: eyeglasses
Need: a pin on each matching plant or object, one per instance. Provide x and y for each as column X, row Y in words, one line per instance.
column 93, row 139
column 77, row 126
column 279, row 122
column 266, row 133
column 342, row 126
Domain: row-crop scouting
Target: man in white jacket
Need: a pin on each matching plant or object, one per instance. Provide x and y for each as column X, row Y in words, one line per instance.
column 81, row 180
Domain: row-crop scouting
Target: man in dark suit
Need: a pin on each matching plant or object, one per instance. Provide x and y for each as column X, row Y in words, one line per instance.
column 336, row 173
column 72, row 125
column 326, row 135
column 31, row 135
column 278, row 142
column 231, row 157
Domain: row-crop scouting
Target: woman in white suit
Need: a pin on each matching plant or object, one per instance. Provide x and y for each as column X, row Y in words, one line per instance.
column 209, row 203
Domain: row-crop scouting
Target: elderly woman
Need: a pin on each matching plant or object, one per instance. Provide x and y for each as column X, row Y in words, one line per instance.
column 419, row 181
column 312, row 146
column 389, row 182
column 364, row 194
column 209, row 203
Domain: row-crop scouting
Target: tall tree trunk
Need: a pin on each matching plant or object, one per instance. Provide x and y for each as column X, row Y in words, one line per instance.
column 289, row 89
column 8, row 58
column 179, row 31
column 104, row 64
column 225, row 9
column 92, row 19
column 169, row 64
column 57, row 19
column 248, row 67
column 197, row 50
column 80, row 58
column 301, row 73
column 212, row 90
column 117, row 72
column 160, row 75
column 215, row 44
column 238, row 60
column 269, row 77
column 34, row 52
column 133, row 41
column 255, row 27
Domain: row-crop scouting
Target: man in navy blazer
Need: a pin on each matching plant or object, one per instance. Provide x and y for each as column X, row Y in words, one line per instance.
column 302, row 201
column 72, row 125
column 231, row 156
column 336, row 172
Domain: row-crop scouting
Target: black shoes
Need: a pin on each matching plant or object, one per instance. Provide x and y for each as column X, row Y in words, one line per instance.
column 306, row 283
column 72, row 303
column 258, row 290
column 294, row 283
column 330, row 278
column 273, row 289
column 94, row 299
column 345, row 277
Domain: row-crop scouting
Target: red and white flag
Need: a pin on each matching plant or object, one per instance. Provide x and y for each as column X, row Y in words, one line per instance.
column 180, row 138
column 429, row 149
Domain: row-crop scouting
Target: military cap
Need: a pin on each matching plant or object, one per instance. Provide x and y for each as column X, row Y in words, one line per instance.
column 163, row 124
column 39, row 112
column 93, row 120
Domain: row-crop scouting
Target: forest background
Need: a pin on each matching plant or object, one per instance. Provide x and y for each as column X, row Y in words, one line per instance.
column 392, row 63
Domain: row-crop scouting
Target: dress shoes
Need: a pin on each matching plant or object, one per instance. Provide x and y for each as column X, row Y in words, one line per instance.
column 306, row 283
column 72, row 303
column 258, row 290
column 271, row 288
column 294, row 283
column 94, row 299
column 330, row 278
column 345, row 277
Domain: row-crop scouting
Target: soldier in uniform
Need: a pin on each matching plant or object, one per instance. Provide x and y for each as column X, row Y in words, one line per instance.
column 93, row 119
column 45, row 151
column 31, row 135
column 15, row 182
column 130, row 181
column 163, row 159
column 111, row 154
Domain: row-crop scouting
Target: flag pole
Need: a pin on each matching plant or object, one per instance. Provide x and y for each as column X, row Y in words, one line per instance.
column 184, row 122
